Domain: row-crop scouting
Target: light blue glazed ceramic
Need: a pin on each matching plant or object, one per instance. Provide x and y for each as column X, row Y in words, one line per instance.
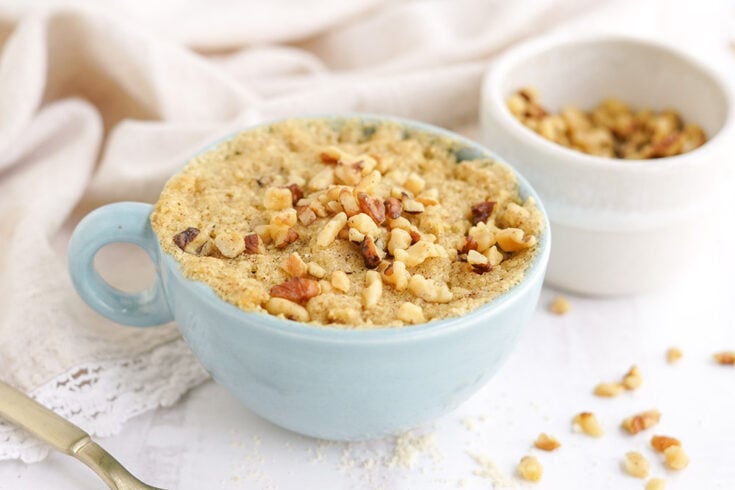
column 324, row 382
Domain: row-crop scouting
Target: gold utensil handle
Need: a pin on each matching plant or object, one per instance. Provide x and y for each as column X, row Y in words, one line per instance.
column 65, row 437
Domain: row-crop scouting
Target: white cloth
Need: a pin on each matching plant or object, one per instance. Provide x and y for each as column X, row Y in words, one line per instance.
column 102, row 101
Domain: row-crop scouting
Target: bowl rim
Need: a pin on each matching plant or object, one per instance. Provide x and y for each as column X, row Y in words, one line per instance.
column 263, row 321
column 493, row 101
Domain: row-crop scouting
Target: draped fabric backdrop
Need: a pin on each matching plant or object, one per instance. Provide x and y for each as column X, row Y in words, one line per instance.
column 102, row 101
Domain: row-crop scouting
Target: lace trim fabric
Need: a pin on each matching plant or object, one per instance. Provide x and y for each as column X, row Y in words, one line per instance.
column 100, row 396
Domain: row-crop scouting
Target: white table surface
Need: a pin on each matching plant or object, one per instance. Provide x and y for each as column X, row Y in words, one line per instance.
column 208, row 440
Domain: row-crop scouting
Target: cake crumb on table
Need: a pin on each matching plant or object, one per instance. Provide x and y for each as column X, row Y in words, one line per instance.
column 560, row 306
column 489, row 469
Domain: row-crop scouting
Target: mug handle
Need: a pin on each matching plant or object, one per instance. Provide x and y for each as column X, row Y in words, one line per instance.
column 120, row 222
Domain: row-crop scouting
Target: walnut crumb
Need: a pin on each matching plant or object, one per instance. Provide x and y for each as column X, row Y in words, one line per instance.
column 725, row 358
column 530, row 469
column 632, row 379
column 676, row 458
column 560, row 306
column 636, row 464
column 587, row 423
column 297, row 289
column 546, row 442
column 661, row 443
column 673, row 355
column 608, row 390
column 656, row 484
column 642, row 421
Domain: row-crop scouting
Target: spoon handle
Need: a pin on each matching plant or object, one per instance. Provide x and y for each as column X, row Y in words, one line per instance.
column 66, row 437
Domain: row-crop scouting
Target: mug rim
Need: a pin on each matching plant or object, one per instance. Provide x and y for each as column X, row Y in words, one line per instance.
column 381, row 334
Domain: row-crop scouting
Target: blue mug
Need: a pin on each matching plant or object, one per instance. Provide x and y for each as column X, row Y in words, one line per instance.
column 326, row 382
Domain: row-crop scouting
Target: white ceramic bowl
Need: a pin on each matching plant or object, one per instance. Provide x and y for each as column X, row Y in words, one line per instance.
column 619, row 226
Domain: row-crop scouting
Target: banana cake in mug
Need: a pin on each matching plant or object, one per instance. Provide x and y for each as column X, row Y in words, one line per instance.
column 352, row 224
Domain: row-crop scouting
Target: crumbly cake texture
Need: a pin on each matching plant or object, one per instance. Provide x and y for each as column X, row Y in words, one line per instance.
column 351, row 224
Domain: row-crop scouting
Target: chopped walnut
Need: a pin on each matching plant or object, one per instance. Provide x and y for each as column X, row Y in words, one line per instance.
column 305, row 215
column 393, row 207
column 608, row 390
column 560, row 306
column 296, row 193
column 546, row 442
column 476, row 258
column 294, row 265
column 399, row 239
column 322, row 179
column 479, row 263
column 418, row 253
column 286, row 217
column 412, row 206
column 482, row 235
column 253, row 244
column 349, row 174
column 327, row 234
column 656, row 484
column 230, row 244
column 364, row 224
column 287, row 309
column 414, row 183
column 330, row 155
column 349, row 203
column 661, row 443
column 468, row 244
column 340, row 281
column 369, row 182
column 297, row 289
column 675, row 458
column 530, row 469
column 494, row 256
column 429, row 290
column 673, row 355
column 397, row 275
column 632, row 379
column 514, row 239
column 636, row 464
column 642, row 421
column 482, row 211
column 373, row 289
column 316, row 270
column 429, row 197
column 185, row 237
column 354, row 235
column 725, row 358
column 369, row 253
column 283, row 236
column 371, row 206
column 612, row 129
column 277, row 198
column 410, row 313
column 588, row 424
